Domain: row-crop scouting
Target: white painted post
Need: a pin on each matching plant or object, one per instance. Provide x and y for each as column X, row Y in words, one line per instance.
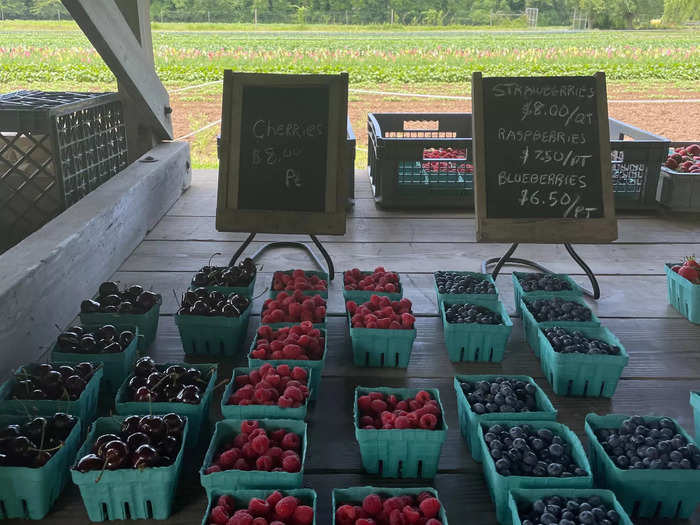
column 208, row 17
column 255, row 14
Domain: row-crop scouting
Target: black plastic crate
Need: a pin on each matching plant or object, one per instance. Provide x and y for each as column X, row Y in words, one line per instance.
column 401, row 169
column 637, row 156
column 55, row 148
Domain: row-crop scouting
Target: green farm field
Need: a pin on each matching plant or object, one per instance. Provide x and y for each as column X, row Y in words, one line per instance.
column 391, row 63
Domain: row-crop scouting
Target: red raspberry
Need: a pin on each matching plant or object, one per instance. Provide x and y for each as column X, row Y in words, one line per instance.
column 379, row 406
column 424, row 495
column 228, row 458
column 428, row 421
column 260, row 444
column 430, row 507
column 411, row 514
column 212, row 469
column 303, row 515
column 286, row 507
column 402, row 422
column 260, row 521
column 285, row 402
column 291, row 463
column 277, row 435
column 219, row 515
column 265, row 463
column 274, row 498
column 433, row 521
column 241, row 464
column 365, row 521
column 241, row 517
column 396, row 517
column 299, row 374
column 248, row 426
column 372, row 504
column 291, row 441
column 423, row 396
column 392, row 503
column 228, row 502
column 258, row 507
column 345, row 514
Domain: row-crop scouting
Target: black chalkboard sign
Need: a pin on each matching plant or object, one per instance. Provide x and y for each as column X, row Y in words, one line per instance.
column 284, row 131
column 542, row 154
column 281, row 160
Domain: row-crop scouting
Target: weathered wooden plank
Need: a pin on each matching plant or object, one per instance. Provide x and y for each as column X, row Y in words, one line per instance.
column 613, row 259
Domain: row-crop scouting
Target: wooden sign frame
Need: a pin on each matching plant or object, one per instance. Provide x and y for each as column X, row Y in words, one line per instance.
column 229, row 217
column 542, row 230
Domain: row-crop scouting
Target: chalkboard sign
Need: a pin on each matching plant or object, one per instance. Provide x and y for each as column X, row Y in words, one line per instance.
column 281, row 167
column 542, row 159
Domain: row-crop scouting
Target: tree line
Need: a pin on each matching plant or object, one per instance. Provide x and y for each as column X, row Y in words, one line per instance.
column 604, row 14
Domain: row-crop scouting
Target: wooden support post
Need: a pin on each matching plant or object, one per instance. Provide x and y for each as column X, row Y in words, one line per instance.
column 115, row 39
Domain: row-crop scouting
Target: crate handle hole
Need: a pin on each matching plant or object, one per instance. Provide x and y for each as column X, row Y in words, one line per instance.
column 380, row 467
column 105, row 513
column 3, row 511
column 585, row 387
column 399, row 474
column 127, row 511
column 149, row 509
column 602, row 387
column 25, row 508
column 381, row 360
column 657, row 511
column 491, row 356
column 461, row 354
column 419, row 473
column 635, row 509
column 677, row 514
column 366, row 358
column 396, row 364
column 476, row 355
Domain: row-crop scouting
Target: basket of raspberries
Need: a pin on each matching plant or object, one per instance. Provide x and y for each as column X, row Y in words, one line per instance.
column 492, row 398
column 132, row 306
column 567, row 506
column 129, row 467
column 262, row 507
column 212, row 323
column 267, row 392
column 288, row 309
column 465, row 286
column 47, row 388
column 476, row 330
column 35, row 456
column 543, row 285
column 184, row 389
column 387, row 506
column 382, row 332
column 239, row 278
column 360, row 286
column 650, row 462
column 306, row 281
column 582, row 362
column 684, row 288
column 531, row 455
column 253, row 454
column 299, row 345
column 400, row 431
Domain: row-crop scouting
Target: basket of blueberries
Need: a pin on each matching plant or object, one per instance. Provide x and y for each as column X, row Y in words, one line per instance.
column 566, row 507
column 650, row 462
column 531, row 455
column 238, row 279
column 582, row 362
column 476, row 330
column 554, row 311
column 492, row 398
column 458, row 287
column 543, row 285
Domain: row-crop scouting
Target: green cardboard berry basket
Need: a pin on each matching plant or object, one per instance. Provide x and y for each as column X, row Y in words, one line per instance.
column 308, row 273
column 683, row 295
column 316, row 367
column 225, row 481
column 260, row 411
column 29, row 493
column 85, row 407
column 499, row 486
column 470, row 422
column 474, row 341
column 407, row 453
column 147, row 322
column 525, row 496
column 574, row 293
column 243, row 497
column 695, row 403
column 583, row 374
column 379, row 347
column 116, row 366
column 212, row 336
column 491, row 298
column 355, row 495
column 246, row 291
column 197, row 415
column 531, row 327
column 362, row 296
column 643, row 493
column 127, row 493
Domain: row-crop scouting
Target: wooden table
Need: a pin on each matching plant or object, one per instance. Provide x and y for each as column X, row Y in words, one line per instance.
column 664, row 348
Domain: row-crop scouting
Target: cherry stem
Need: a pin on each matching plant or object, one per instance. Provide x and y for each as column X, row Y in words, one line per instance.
column 224, row 382
column 43, row 433
column 42, row 449
column 178, row 301
column 104, row 466
column 213, row 255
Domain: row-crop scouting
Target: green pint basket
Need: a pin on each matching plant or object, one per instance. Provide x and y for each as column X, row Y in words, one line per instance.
column 116, row 366
column 470, row 422
column 316, row 367
column 355, row 495
column 407, row 453
column 308, row 273
column 528, row 496
column 474, row 341
column 225, row 481
column 574, row 293
column 499, row 486
column 147, row 322
column 695, row 403
column 197, row 415
column 243, row 497
column 212, row 336
column 127, row 493
column 85, row 407
column 644, row 493
column 260, row 411
column 683, row 295
column 531, row 326
column 461, row 298
column 583, row 374
column 29, row 493
column 378, row 347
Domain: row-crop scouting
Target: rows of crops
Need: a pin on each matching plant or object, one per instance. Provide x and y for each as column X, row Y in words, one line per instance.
column 187, row 57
